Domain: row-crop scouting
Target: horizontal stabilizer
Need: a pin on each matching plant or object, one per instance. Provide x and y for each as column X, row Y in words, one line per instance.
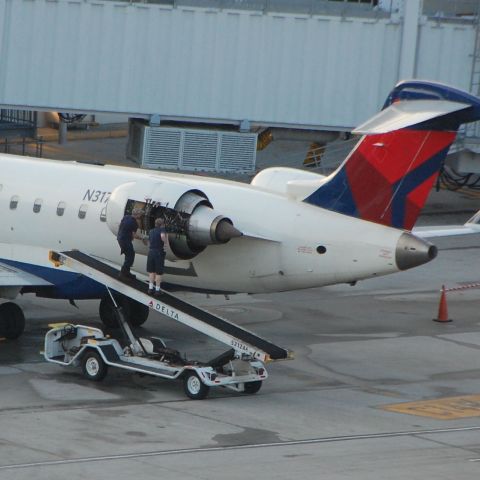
column 444, row 231
column 406, row 114
column 471, row 226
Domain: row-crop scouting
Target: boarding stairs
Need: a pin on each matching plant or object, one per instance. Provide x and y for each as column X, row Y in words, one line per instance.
column 244, row 342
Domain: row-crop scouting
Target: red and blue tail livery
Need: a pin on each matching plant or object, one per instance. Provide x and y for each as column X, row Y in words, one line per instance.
column 387, row 177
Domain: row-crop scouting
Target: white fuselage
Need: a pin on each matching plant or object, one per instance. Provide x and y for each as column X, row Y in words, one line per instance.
column 277, row 252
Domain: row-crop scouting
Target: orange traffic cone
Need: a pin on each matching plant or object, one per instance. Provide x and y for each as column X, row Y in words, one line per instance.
column 442, row 308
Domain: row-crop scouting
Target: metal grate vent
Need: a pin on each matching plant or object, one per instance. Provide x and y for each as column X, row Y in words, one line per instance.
column 236, row 152
column 205, row 150
column 200, row 150
column 161, row 147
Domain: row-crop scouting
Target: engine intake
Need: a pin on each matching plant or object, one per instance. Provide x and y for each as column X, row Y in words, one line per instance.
column 192, row 224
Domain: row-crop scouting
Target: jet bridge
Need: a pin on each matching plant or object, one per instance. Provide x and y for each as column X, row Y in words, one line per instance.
column 240, row 368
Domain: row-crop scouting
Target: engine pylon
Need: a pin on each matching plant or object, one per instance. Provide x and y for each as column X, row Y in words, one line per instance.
column 442, row 308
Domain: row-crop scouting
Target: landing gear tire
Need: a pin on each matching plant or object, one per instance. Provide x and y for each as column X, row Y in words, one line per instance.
column 93, row 366
column 108, row 314
column 252, row 387
column 135, row 313
column 194, row 388
column 12, row 320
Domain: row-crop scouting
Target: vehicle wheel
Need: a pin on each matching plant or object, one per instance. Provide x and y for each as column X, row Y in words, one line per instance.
column 107, row 312
column 252, row 387
column 135, row 312
column 194, row 388
column 93, row 366
column 12, row 320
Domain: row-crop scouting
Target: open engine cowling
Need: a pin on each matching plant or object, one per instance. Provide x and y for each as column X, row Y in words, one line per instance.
column 190, row 219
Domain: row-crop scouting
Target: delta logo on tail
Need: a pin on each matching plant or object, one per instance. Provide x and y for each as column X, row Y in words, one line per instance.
column 387, row 177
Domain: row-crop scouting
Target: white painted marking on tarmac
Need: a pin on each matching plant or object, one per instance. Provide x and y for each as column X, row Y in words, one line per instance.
column 310, row 441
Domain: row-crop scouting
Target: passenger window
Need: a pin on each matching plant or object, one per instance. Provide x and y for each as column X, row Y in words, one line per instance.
column 14, row 202
column 82, row 212
column 37, row 205
column 103, row 214
column 61, row 208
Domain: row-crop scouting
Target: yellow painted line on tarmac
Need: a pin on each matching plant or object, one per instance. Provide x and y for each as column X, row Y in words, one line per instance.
column 448, row 408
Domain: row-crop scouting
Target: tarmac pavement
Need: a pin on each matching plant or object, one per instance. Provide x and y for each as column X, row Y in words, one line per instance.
column 340, row 410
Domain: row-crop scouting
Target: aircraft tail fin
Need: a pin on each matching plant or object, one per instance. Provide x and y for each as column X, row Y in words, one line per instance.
column 387, row 177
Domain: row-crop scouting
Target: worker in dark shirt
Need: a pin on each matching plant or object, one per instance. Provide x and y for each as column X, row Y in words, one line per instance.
column 127, row 231
column 157, row 238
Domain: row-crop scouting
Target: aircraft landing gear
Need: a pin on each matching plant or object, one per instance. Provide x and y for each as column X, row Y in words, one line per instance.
column 135, row 313
column 12, row 320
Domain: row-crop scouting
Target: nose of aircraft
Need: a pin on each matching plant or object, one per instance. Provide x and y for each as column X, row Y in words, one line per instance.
column 412, row 251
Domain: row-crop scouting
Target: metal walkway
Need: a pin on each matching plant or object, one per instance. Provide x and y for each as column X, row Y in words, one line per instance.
column 241, row 340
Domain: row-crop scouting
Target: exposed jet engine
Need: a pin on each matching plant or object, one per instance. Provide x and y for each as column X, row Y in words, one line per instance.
column 190, row 219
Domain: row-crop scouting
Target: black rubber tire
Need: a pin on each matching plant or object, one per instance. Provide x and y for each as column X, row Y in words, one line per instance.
column 107, row 312
column 193, row 387
column 93, row 366
column 135, row 313
column 252, row 387
column 12, row 320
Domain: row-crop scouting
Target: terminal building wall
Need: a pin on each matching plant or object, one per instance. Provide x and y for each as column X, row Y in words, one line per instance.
column 310, row 71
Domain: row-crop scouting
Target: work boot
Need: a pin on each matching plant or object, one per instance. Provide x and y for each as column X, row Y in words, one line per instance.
column 126, row 275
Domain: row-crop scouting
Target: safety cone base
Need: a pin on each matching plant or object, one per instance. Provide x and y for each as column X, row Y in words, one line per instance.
column 442, row 321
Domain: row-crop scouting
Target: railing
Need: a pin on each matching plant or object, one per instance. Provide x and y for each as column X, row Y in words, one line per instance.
column 18, row 117
column 31, row 148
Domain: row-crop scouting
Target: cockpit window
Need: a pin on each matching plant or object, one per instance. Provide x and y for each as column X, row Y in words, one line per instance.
column 37, row 205
column 82, row 212
column 61, row 208
column 14, row 202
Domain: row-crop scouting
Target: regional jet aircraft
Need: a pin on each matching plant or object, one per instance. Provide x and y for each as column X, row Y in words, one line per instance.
column 288, row 229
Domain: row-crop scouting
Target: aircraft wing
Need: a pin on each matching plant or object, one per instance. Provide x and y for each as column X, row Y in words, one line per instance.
column 14, row 277
column 470, row 226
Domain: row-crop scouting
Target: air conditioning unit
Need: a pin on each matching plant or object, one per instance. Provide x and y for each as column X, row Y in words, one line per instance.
column 191, row 149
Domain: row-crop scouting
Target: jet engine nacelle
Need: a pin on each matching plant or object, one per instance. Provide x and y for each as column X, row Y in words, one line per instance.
column 190, row 219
